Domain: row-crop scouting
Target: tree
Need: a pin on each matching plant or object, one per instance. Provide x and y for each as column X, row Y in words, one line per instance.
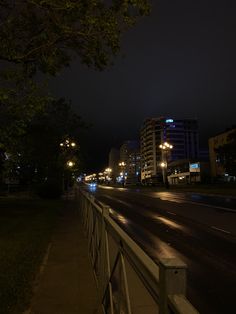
column 227, row 154
column 46, row 34
column 37, row 155
column 20, row 99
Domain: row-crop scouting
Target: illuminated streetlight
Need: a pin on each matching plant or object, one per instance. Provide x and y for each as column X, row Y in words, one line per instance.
column 122, row 164
column 68, row 151
column 68, row 143
column 70, row 164
column 165, row 148
column 108, row 170
column 107, row 174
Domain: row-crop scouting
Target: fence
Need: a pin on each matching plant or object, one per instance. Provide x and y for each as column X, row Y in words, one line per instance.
column 128, row 280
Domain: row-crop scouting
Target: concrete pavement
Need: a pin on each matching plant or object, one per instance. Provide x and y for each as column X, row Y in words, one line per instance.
column 66, row 283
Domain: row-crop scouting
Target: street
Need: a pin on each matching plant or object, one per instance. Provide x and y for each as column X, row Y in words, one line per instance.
column 200, row 230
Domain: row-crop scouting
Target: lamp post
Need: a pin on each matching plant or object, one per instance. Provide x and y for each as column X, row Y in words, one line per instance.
column 165, row 149
column 69, row 148
column 67, row 143
column 107, row 174
column 122, row 164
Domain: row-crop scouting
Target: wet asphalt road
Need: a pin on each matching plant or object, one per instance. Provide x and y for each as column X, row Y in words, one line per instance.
column 200, row 230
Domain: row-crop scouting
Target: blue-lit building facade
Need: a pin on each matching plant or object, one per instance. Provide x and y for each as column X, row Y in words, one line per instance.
column 182, row 134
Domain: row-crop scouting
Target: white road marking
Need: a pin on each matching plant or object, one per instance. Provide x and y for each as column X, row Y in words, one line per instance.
column 219, row 229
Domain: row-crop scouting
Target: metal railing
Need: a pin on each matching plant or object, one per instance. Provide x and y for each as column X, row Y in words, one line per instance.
column 128, row 280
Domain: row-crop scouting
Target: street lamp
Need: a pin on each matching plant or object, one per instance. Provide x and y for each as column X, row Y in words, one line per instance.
column 70, row 163
column 122, row 164
column 107, row 173
column 68, row 158
column 165, row 149
column 68, row 143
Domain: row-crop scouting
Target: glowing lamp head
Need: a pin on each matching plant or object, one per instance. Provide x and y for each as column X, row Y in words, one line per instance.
column 70, row 163
column 108, row 170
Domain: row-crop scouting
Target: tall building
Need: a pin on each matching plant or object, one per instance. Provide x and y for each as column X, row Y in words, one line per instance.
column 182, row 134
column 114, row 157
column 130, row 155
column 217, row 168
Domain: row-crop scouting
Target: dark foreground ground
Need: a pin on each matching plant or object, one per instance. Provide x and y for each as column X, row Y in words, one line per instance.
column 26, row 226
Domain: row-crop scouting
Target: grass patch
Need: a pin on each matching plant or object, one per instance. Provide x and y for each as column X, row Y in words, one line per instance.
column 25, row 230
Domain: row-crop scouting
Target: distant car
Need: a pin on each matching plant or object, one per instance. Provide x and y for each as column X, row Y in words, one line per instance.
column 93, row 184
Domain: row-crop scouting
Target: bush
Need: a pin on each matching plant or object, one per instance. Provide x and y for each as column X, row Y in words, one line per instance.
column 50, row 190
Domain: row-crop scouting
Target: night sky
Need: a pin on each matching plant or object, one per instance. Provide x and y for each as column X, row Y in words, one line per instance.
column 180, row 62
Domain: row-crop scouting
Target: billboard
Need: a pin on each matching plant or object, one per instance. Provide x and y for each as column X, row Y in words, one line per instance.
column 194, row 167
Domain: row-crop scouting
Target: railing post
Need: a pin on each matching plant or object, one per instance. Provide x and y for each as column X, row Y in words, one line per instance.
column 105, row 210
column 172, row 280
column 106, row 284
column 92, row 198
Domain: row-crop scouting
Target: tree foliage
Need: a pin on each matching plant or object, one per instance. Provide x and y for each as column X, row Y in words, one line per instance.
column 47, row 33
column 44, row 35
column 20, row 99
column 227, row 154
column 37, row 154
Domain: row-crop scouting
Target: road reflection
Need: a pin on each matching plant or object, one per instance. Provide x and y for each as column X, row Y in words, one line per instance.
column 106, row 187
column 118, row 217
column 169, row 223
column 167, row 196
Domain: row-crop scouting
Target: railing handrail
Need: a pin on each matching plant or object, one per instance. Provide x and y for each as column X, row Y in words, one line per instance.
column 155, row 277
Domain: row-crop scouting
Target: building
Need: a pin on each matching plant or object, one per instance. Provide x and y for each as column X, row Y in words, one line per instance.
column 204, row 154
column 187, row 172
column 114, row 157
column 130, row 156
column 182, row 134
column 217, row 168
column 150, row 155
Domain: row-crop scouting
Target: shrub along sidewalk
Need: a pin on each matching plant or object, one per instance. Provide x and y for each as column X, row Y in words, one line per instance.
column 26, row 226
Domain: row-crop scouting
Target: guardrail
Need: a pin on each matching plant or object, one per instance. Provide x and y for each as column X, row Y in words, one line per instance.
column 128, row 280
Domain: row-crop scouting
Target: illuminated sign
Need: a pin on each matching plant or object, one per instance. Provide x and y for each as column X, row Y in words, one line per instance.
column 169, row 120
column 194, row 167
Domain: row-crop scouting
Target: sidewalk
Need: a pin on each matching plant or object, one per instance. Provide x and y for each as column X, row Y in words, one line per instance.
column 66, row 283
